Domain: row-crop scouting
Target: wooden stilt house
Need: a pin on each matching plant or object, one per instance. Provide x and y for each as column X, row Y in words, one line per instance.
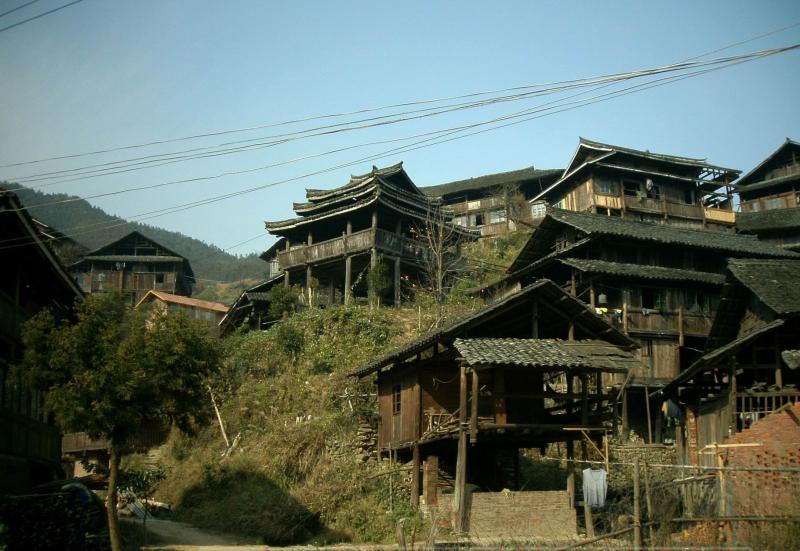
column 521, row 373
column 752, row 364
column 659, row 284
column 341, row 233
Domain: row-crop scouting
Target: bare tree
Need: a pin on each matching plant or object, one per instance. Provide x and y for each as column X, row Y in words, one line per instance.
column 514, row 202
column 441, row 241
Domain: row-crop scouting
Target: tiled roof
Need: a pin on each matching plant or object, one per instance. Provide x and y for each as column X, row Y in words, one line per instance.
column 753, row 176
column 774, row 282
column 184, row 301
column 777, row 219
column 489, row 181
column 641, row 271
column 544, row 288
column 540, row 242
column 134, row 258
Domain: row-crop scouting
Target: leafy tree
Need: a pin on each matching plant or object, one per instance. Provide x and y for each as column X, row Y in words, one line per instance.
column 282, row 300
column 378, row 281
column 114, row 369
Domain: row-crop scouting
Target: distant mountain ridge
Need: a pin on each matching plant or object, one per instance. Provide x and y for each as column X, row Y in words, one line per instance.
column 208, row 261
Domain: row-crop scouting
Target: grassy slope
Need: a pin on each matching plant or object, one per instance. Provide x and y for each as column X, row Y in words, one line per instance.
column 280, row 484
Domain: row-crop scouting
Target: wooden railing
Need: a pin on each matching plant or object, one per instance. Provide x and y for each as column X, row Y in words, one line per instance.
column 25, row 437
column 679, row 322
column 753, row 405
column 682, row 210
column 720, row 215
column 354, row 243
column 608, row 201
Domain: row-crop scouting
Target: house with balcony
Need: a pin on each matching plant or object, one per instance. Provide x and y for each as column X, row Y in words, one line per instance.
column 134, row 265
column 660, row 284
column 750, row 368
column 340, row 234
column 31, row 279
column 461, row 402
column 648, row 187
column 496, row 203
column 769, row 196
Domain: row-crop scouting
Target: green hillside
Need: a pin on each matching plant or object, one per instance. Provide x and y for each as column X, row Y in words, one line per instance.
column 208, row 261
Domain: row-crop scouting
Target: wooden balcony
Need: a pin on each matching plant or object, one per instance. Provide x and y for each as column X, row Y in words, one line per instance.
column 28, row 438
column 608, row 201
column 355, row 243
column 720, row 216
column 679, row 210
column 674, row 322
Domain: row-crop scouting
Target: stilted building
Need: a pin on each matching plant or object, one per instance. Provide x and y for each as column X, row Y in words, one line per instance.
column 644, row 186
column 462, row 401
column 340, row 233
column 770, row 198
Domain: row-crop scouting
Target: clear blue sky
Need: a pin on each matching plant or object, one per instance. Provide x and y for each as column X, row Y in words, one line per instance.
column 104, row 74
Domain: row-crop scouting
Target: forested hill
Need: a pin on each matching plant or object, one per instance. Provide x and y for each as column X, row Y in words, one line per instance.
column 208, row 261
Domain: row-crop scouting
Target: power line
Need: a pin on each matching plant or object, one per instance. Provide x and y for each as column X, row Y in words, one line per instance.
column 40, row 15
column 25, row 5
column 423, row 143
column 106, row 169
column 354, row 112
column 446, row 131
column 404, row 149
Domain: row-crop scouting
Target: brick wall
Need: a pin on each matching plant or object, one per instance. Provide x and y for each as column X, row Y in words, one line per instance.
column 766, row 493
column 514, row 515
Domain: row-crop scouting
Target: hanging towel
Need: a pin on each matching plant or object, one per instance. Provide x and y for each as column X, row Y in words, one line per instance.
column 594, row 487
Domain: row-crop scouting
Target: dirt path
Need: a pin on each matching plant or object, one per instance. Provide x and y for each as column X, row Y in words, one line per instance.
column 168, row 534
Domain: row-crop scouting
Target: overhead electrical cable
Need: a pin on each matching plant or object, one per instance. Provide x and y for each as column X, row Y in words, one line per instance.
column 103, row 169
column 365, row 110
column 544, row 107
column 403, row 149
column 25, row 5
column 17, row 24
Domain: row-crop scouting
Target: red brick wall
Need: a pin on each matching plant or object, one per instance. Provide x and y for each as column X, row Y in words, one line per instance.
column 766, row 493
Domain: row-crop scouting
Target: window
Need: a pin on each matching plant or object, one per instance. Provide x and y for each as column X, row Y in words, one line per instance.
column 631, row 188
column 653, row 191
column 395, row 399
column 497, row 216
column 653, row 299
column 460, row 220
column 776, row 203
column 607, row 187
column 754, row 206
column 159, row 278
column 538, row 210
column 688, row 196
column 472, row 205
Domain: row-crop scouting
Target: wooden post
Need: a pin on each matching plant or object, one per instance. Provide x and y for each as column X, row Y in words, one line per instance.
column 647, row 406
column 571, row 472
column 461, row 459
column 430, row 480
column 348, row 277
column 500, row 415
column 626, row 428
column 637, row 522
column 584, row 400
column 571, row 332
column 649, row 503
column 286, row 272
column 397, row 282
column 587, row 511
column 415, row 477
column 680, row 325
column 473, row 418
column 625, row 317
column 573, row 285
column 592, row 302
column 398, row 227
column 374, row 219
column 535, row 320
column 723, row 501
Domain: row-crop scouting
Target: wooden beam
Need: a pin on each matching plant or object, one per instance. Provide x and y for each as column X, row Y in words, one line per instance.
column 473, row 418
column 415, row 477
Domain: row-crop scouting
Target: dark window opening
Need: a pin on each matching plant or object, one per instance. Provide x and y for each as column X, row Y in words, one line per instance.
column 395, row 399
column 652, row 299
column 688, row 196
column 653, row 191
column 631, row 188
column 159, row 278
